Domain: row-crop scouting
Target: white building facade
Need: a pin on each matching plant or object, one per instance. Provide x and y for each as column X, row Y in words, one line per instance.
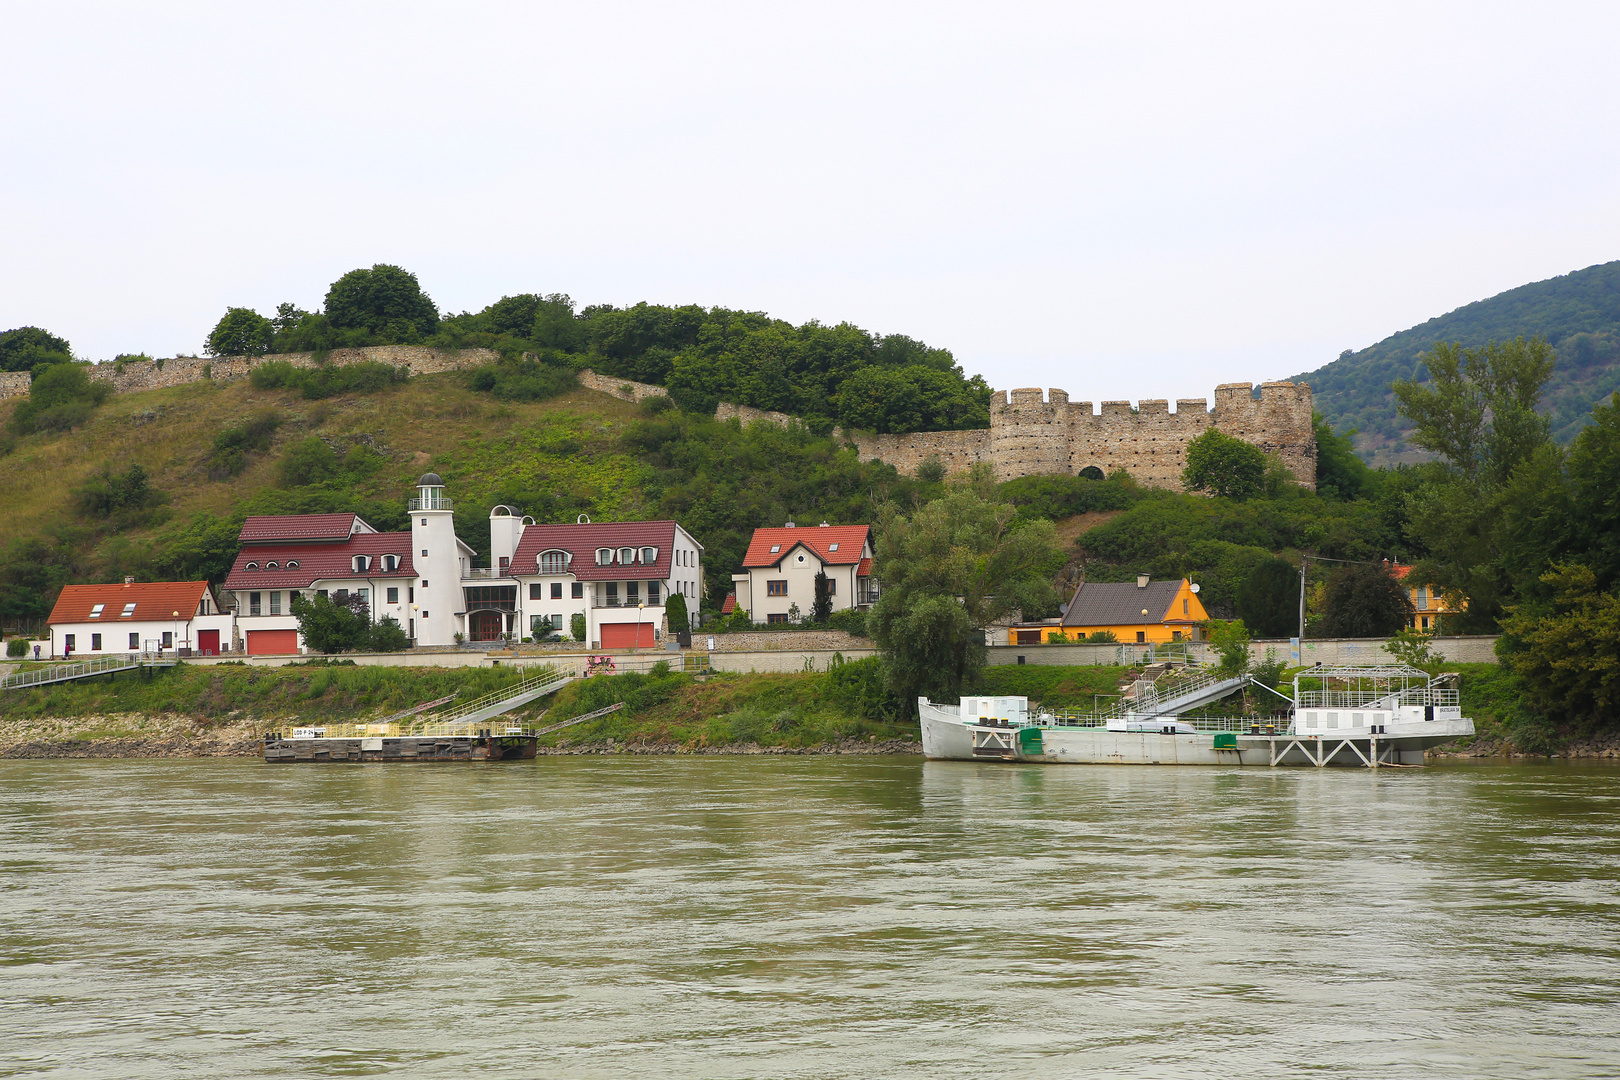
column 778, row 581
column 148, row 616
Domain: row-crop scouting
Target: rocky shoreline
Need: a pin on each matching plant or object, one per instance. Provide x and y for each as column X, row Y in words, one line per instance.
column 41, row 749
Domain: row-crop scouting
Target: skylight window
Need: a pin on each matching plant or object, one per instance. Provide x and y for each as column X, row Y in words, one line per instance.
column 129, row 609
column 776, row 549
column 832, row 547
column 95, row 612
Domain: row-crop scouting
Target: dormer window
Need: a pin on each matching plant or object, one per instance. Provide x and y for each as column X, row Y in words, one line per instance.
column 292, row 564
column 604, row 556
column 251, row 566
column 272, row 566
column 95, row 612
column 627, row 556
column 649, row 555
column 362, row 563
column 554, row 562
column 390, row 563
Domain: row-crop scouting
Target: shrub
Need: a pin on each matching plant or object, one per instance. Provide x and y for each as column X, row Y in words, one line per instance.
column 523, row 380
column 109, row 494
column 328, row 381
column 232, row 446
column 17, row 647
column 388, row 636
column 61, row 398
column 576, row 626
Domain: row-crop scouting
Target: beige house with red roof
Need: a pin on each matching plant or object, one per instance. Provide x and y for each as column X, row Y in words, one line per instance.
column 138, row 617
column 780, row 568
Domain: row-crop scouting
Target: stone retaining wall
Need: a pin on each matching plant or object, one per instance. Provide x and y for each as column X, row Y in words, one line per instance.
column 14, row 384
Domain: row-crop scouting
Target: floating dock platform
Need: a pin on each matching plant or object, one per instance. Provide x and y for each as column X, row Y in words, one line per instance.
column 478, row 746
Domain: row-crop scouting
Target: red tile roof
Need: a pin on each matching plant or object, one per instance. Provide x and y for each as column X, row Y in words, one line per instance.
column 154, row 601
column 266, row 529
column 865, row 569
column 851, row 541
column 319, row 561
column 730, row 605
column 582, row 541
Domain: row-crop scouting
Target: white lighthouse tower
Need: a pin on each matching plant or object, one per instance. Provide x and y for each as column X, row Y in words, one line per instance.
column 439, row 560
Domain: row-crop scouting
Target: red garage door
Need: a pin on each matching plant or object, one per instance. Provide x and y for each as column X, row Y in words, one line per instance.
column 262, row 642
column 627, row 635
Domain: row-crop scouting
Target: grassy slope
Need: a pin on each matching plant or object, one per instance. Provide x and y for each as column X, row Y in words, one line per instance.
column 1354, row 391
column 431, row 422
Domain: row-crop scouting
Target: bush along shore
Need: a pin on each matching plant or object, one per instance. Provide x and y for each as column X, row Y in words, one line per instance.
column 223, row 710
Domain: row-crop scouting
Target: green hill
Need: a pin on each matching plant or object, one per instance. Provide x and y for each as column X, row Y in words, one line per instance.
column 1579, row 313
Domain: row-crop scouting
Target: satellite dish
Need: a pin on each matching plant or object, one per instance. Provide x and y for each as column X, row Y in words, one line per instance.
column 1195, row 588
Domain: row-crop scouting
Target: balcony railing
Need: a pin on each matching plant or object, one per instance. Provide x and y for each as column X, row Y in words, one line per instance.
column 485, row 573
column 432, row 504
column 614, row 603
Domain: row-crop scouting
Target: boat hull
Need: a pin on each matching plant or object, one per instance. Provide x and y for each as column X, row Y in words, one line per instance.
column 946, row 737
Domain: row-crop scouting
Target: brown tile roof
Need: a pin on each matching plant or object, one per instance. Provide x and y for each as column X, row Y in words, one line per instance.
column 319, row 561
column 582, row 541
column 271, row 528
column 1120, row 603
column 851, row 541
column 153, row 600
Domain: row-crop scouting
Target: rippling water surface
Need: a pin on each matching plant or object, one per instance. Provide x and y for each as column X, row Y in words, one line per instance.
column 806, row 917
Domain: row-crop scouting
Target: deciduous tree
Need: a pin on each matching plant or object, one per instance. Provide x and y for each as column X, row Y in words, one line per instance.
column 1364, row 600
column 1221, row 465
column 241, row 332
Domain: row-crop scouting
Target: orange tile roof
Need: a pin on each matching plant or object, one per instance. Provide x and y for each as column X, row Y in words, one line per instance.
column 851, row 540
column 154, row 601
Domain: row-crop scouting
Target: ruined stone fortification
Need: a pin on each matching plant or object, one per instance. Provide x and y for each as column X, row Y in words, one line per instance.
column 179, row 370
column 1029, row 433
column 1032, row 433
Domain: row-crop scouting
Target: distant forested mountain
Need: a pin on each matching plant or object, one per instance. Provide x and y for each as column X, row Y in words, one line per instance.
column 1579, row 313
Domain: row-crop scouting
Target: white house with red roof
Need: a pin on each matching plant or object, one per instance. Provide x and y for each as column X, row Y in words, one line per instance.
column 780, row 568
column 415, row 577
column 138, row 617
column 618, row 575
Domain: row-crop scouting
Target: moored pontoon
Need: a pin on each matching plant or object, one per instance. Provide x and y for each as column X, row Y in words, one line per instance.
column 1367, row 716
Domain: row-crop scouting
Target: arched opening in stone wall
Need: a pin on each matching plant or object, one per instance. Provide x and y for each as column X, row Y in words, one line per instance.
column 1091, row 472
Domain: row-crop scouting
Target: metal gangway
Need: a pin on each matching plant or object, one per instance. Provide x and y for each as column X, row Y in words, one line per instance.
column 110, row 664
column 464, row 720
column 1148, row 701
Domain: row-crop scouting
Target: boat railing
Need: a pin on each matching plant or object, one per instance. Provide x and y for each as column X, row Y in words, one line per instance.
column 1385, row 699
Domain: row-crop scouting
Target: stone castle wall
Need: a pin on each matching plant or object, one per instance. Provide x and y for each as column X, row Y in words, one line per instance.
column 14, row 384
column 1029, row 433
column 179, row 370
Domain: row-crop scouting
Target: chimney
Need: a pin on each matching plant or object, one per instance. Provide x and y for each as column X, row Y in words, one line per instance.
column 790, row 525
column 1141, row 581
column 128, row 580
column 824, row 525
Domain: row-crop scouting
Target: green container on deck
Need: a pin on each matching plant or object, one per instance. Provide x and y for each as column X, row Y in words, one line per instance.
column 1029, row 740
column 1226, row 740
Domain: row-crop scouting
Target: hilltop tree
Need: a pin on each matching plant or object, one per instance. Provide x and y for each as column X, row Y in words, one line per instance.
column 241, row 332
column 386, row 301
column 1221, row 465
column 29, row 347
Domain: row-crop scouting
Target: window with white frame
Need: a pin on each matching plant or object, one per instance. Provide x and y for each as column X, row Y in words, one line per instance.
column 554, row 562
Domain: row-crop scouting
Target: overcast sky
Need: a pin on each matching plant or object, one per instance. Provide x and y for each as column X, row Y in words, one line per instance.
column 1124, row 200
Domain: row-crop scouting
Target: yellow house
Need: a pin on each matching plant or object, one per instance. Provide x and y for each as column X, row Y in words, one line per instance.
column 1148, row 612
column 1429, row 605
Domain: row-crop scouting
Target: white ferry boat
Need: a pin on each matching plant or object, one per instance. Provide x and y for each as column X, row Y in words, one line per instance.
column 1368, row 716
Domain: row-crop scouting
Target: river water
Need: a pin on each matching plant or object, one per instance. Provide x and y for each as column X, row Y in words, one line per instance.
column 806, row 917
